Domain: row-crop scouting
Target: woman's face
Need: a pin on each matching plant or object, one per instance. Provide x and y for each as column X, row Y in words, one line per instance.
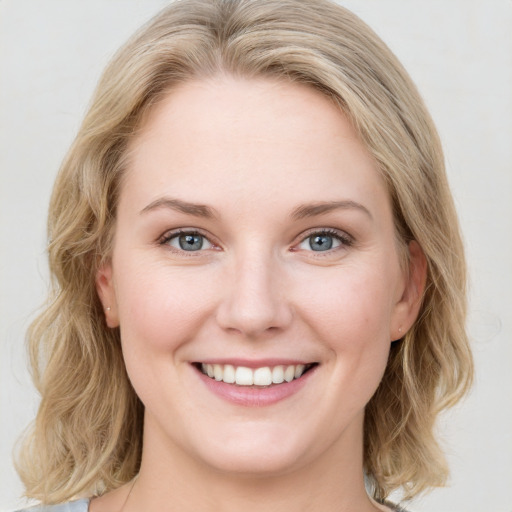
column 255, row 242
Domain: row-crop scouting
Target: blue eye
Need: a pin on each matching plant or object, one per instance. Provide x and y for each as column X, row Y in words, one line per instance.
column 189, row 242
column 323, row 241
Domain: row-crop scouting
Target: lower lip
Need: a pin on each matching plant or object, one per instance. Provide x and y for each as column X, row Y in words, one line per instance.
column 253, row 396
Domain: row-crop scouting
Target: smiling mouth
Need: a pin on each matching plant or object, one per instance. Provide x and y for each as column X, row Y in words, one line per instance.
column 262, row 377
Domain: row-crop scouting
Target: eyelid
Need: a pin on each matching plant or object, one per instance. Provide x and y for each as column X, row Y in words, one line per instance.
column 345, row 239
column 172, row 233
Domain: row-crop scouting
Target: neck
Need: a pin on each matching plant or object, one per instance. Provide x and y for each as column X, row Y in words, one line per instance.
column 170, row 479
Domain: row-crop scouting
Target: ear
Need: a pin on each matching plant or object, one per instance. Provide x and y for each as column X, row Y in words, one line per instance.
column 106, row 293
column 408, row 306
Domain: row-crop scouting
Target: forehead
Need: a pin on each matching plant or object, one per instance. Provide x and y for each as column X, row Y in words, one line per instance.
column 247, row 139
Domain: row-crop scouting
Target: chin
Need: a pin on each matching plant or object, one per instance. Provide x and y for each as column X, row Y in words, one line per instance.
column 258, row 465
column 261, row 454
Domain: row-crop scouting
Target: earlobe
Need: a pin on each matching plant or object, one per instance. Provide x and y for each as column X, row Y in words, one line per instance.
column 106, row 293
column 408, row 307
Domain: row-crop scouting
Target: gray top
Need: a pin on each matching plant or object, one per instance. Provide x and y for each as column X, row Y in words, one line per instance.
column 72, row 506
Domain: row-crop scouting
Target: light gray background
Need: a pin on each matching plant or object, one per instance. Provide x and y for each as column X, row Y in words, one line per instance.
column 460, row 54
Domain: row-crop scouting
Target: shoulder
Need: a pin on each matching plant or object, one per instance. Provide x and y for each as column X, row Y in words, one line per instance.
column 72, row 506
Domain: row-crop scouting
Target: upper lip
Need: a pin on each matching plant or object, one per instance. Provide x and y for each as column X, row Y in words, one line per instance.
column 255, row 363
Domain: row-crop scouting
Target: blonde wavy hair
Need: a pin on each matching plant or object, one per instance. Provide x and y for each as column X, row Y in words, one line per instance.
column 87, row 437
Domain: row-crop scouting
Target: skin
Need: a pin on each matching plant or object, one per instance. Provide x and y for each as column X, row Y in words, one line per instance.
column 254, row 151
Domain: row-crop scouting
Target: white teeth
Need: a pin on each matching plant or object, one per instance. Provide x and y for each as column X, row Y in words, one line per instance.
column 289, row 373
column 229, row 374
column 278, row 374
column 243, row 376
column 262, row 376
column 217, row 372
column 299, row 370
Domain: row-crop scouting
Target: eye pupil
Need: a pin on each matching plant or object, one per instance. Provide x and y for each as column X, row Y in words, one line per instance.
column 191, row 242
column 320, row 242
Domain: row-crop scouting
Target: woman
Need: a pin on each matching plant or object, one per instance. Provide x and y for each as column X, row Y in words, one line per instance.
column 260, row 283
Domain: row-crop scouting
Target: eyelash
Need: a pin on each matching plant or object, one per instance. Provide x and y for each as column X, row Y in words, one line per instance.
column 169, row 235
column 344, row 239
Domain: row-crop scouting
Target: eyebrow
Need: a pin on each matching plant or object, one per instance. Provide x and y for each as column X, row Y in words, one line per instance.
column 313, row 209
column 197, row 210
column 301, row 212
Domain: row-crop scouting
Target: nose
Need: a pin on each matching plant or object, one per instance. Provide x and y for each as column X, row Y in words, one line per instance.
column 255, row 299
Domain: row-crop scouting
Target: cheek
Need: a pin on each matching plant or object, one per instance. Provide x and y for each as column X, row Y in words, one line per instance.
column 351, row 313
column 160, row 311
column 160, row 308
column 351, row 305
